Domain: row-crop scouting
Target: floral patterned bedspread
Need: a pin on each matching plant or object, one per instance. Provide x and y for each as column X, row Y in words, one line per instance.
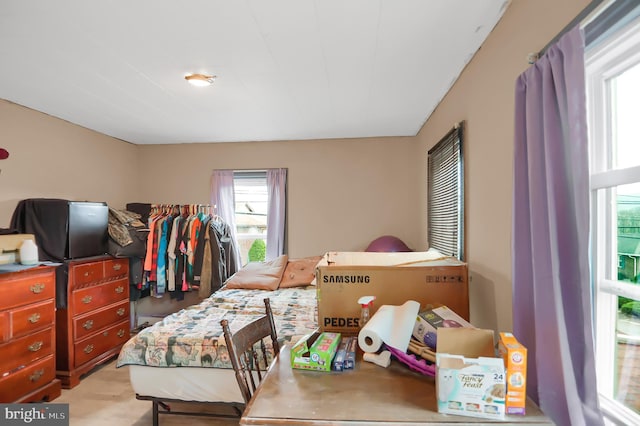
column 193, row 336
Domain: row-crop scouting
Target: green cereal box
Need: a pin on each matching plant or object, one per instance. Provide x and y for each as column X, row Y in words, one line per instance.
column 315, row 351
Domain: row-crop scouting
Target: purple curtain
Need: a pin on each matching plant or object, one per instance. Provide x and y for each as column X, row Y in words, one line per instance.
column 276, row 187
column 551, row 281
column 223, row 198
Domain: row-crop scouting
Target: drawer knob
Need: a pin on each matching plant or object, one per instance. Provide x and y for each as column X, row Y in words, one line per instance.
column 87, row 299
column 34, row 318
column 88, row 349
column 37, row 288
column 105, row 333
column 120, row 312
column 87, row 324
column 120, row 333
column 86, row 274
column 35, row 347
column 119, row 289
column 36, row 375
column 117, row 266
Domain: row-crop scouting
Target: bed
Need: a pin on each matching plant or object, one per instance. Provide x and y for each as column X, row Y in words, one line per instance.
column 184, row 356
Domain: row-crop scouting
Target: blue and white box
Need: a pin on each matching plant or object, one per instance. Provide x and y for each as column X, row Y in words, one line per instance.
column 470, row 381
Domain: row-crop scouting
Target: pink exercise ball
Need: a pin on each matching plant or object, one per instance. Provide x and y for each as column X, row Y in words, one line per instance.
column 388, row 243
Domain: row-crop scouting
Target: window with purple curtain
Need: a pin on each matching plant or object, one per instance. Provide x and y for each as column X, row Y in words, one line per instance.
column 223, row 198
column 257, row 201
column 551, row 278
column 276, row 218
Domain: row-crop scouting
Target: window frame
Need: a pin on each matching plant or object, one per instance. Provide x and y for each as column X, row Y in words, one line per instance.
column 249, row 175
column 608, row 59
column 435, row 222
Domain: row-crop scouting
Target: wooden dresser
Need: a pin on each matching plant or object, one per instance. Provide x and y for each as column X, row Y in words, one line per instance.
column 27, row 336
column 94, row 325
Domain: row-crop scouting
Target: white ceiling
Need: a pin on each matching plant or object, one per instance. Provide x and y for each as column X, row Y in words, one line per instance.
column 287, row 69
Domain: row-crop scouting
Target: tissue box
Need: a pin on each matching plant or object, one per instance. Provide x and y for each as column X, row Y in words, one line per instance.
column 315, row 351
column 514, row 355
column 429, row 320
column 470, row 381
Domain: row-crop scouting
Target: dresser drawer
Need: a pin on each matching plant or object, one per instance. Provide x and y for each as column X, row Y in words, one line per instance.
column 27, row 380
column 89, row 323
column 101, row 342
column 4, row 327
column 90, row 298
column 21, row 290
column 25, row 350
column 86, row 273
column 27, row 319
column 116, row 268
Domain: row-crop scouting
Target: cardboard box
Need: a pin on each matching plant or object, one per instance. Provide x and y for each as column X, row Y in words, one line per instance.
column 393, row 278
column 315, row 351
column 339, row 358
column 470, row 380
column 514, row 355
column 429, row 320
column 345, row 358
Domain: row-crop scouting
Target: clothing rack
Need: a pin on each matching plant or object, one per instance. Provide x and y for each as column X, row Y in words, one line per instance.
column 183, row 254
column 184, row 209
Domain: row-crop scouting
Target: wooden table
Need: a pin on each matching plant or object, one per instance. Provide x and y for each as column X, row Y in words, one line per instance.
column 366, row 395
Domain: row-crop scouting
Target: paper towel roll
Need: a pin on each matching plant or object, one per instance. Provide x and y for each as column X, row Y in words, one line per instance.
column 391, row 325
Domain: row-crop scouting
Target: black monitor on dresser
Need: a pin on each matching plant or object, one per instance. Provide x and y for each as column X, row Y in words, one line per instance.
column 64, row 229
column 88, row 226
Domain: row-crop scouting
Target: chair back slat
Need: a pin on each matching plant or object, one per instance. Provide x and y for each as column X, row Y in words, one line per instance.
column 248, row 351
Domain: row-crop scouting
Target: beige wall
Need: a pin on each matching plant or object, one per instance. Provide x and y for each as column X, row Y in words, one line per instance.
column 483, row 97
column 51, row 158
column 341, row 193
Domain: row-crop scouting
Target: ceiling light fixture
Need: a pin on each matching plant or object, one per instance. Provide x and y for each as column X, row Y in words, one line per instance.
column 200, row 80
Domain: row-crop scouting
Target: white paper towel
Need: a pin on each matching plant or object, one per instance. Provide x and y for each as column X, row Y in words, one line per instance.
column 390, row 324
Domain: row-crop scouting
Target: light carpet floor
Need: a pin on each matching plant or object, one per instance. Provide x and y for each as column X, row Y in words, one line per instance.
column 105, row 398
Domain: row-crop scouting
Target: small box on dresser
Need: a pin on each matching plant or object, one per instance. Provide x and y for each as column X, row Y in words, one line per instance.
column 27, row 336
column 94, row 325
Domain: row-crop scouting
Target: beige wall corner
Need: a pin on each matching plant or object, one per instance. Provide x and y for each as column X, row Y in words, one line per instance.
column 342, row 193
column 483, row 97
column 52, row 158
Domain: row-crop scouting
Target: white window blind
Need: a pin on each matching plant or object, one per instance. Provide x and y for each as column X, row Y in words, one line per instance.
column 445, row 197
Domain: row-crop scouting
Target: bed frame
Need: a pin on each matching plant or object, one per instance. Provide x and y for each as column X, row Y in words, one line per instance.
column 163, row 406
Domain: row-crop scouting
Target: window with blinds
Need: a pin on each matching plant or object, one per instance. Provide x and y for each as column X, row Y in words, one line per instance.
column 446, row 195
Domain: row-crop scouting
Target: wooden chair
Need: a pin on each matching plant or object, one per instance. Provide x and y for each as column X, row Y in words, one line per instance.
column 248, row 351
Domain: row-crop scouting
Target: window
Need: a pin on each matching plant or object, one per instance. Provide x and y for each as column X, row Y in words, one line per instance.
column 613, row 91
column 258, row 200
column 446, row 195
column 251, row 202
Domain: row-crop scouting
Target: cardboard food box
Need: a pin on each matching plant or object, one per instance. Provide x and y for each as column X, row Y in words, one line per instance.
column 393, row 278
column 514, row 355
column 429, row 320
column 315, row 351
column 470, row 380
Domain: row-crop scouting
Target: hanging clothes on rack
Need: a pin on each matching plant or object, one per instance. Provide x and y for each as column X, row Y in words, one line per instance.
column 189, row 248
